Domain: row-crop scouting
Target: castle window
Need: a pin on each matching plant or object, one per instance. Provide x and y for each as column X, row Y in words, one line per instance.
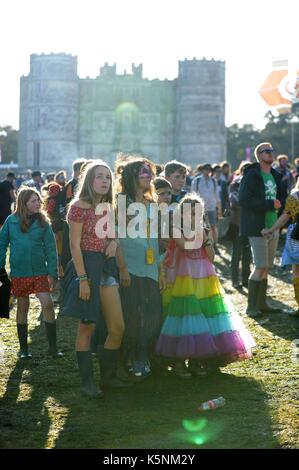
column 36, row 118
column 36, row 154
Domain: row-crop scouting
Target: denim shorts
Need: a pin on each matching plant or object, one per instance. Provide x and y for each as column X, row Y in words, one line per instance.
column 212, row 217
column 108, row 281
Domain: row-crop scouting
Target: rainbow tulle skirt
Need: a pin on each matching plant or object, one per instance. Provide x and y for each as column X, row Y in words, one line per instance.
column 199, row 320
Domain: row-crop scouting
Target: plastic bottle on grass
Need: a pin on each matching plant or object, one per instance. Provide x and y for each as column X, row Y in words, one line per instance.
column 212, row 404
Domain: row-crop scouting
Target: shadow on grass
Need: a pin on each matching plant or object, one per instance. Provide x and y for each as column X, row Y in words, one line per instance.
column 161, row 413
column 42, row 407
column 35, row 390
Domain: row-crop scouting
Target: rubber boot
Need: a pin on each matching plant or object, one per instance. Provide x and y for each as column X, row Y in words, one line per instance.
column 88, row 388
column 108, row 359
column 51, row 337
column 262, row 304
column 22, row 329
column 296, row 291
column 253, row 291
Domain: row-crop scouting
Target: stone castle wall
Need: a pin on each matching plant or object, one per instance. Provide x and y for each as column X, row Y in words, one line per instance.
column 63, row 117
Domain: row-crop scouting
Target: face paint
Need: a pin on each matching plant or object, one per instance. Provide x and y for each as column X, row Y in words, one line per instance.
column 145, row 172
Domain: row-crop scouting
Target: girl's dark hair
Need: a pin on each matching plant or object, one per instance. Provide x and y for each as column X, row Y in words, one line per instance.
column 127, row 178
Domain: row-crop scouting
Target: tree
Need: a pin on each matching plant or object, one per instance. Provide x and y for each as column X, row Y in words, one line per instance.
column 238, row 140
column 280, row 130
column 282, row 133
column 9, row 144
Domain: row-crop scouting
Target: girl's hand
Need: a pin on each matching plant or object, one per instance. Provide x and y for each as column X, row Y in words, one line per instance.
column 125, row 278
column 84, row 291
column 162, row 281
column 206, row 236
column 111, row 249
column 51, row 282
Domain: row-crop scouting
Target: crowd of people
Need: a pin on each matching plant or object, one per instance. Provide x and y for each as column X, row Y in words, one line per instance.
column 147, row 298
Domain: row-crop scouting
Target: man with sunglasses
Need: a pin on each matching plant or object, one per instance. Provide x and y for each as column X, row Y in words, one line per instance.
column 259, row 198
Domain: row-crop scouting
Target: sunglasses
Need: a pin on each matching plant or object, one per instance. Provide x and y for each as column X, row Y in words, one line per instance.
column 266, row 151
column 164, row 193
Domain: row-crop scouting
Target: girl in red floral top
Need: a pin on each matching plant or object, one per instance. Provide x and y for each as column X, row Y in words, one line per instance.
column 92, row 292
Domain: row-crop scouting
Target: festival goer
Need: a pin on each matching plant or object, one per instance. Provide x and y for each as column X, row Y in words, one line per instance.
column 199, row 322
column 175, row 173
column 33, row 264
column 206, row 187
column 287, row 181
column 222, row 185
column 50, row 177
column 163, row 189
column 60, row 178
column 259, row 198
column 67, row 195
column 54, row 208
column 290, row 254
column 96, row 299
column 141, row 299
column 36, row 181
column 7, row 196
column 241, row 247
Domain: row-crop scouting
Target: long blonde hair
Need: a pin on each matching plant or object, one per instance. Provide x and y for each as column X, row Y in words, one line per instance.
column 85, row 191
column 21, row 209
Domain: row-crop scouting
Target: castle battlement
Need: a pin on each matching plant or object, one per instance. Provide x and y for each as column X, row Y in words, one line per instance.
column 63, row 117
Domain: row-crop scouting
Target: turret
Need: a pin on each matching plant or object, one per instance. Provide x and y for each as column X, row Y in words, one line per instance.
column 200, row 111
column 49, row 112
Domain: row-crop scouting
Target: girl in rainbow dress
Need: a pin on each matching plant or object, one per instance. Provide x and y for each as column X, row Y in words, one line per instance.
column 199, row 321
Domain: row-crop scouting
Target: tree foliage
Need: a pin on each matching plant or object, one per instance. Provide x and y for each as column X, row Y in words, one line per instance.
column 9, row 144
column 279, row 130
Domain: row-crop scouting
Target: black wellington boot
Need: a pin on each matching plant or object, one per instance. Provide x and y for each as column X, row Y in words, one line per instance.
column 253, row 292
column 51, row 337
column 262, row 304
column 108, row 359
column 22, row 329
column 88, row 388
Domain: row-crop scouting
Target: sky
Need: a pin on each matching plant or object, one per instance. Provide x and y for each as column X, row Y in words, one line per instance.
column 247, row 34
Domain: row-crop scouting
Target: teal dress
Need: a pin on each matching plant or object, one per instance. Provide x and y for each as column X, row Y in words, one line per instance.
column 141, row 301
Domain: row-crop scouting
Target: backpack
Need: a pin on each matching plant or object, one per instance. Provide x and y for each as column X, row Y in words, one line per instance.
column 199, row 178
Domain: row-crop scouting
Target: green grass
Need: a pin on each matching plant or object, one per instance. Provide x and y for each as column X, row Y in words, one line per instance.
column 41, row 405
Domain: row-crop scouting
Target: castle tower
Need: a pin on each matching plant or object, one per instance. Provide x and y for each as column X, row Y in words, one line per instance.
column 49, row 100
column 200, row 112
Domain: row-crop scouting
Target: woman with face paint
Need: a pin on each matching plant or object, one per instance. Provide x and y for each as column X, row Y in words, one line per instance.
column 139, row 273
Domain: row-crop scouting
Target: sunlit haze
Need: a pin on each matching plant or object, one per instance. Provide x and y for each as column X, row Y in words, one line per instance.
column 248, row 35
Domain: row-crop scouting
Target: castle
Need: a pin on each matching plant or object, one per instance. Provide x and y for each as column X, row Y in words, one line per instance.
column 63, row 117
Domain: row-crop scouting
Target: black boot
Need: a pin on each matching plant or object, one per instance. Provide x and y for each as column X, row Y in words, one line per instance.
column 86, row 372
column 51, row 337
column 253, row 291
column 22, row 329
column 108, row 359
column 262, row 304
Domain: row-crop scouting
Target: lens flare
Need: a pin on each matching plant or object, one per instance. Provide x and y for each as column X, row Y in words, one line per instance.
column 194, row 425
column 198, row 431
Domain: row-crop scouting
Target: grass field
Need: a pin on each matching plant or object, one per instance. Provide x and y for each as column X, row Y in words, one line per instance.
column 41, row 406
